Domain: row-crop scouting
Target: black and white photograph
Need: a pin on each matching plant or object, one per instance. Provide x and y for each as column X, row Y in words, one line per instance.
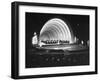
column 51, row 40
column 56, row 40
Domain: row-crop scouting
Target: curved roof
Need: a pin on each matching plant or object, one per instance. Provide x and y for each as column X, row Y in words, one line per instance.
column 56, row 29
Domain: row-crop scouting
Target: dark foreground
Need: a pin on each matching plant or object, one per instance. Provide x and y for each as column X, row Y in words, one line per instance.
column 52, row 58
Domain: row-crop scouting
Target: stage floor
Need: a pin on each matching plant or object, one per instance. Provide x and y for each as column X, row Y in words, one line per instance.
column 69, row 47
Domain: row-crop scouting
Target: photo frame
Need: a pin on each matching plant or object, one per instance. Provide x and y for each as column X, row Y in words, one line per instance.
column 51, row 40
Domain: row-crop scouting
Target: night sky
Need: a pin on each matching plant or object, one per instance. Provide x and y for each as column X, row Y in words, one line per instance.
column 35, row 21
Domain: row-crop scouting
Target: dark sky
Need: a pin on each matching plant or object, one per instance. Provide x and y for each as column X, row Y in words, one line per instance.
column 35, row 21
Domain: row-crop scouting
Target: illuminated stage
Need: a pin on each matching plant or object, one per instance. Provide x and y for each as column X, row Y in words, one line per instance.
column 65, row 47
column 57, row 46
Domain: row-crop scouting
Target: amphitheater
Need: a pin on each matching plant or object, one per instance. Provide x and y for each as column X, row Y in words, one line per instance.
column 56, row 34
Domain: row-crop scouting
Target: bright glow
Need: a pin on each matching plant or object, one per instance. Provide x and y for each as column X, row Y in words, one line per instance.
column 34, row 40
column 56, row 29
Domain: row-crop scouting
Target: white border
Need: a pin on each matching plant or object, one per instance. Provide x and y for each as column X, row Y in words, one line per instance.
column 54, row 70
